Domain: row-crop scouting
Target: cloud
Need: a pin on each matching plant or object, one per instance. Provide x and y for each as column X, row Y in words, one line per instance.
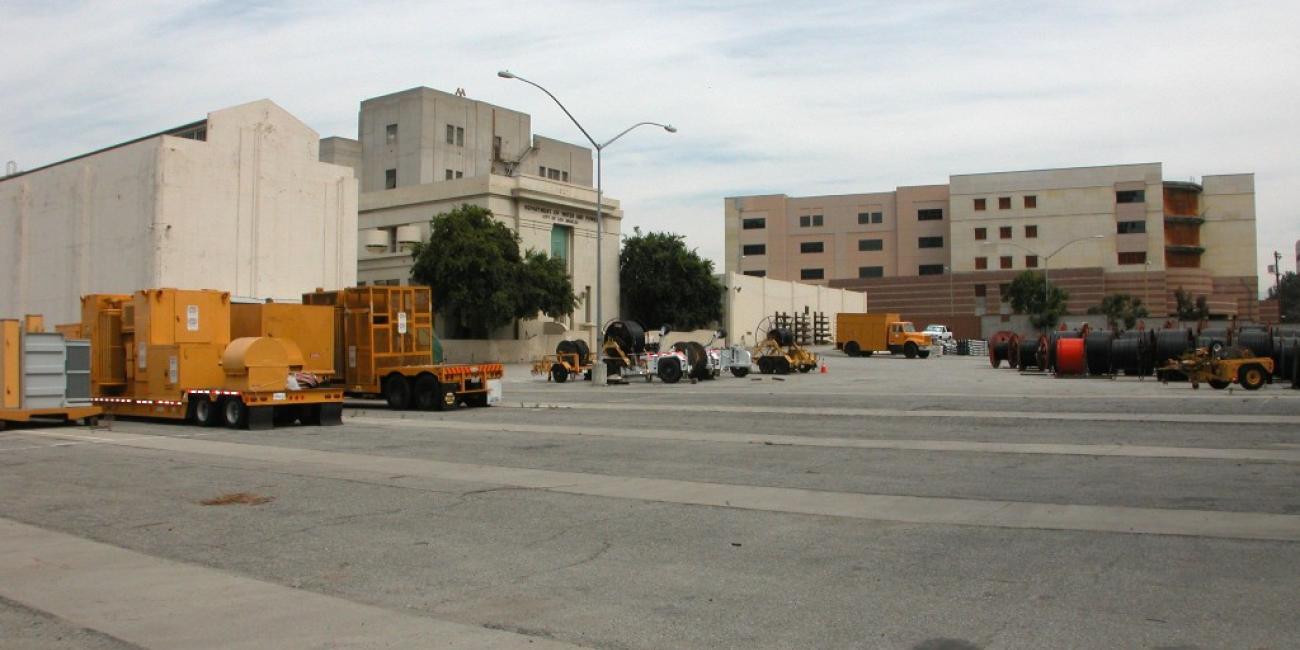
column 827, row 98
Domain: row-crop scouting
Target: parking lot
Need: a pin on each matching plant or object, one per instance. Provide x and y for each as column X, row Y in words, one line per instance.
column 885, row 503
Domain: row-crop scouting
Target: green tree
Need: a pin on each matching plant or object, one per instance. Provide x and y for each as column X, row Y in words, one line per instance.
column 1287, row 292
column 479, row 278
column 663, row 282
column 1190, row 309
column 1121, row 308
column 1045, row 307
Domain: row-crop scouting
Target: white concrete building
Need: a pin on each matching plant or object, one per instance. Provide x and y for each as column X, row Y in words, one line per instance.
column 237, row 202
column 422, row 152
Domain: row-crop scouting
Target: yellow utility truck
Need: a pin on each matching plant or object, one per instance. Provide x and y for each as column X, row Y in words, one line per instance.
column 862, row 334
column 384, row 346
column 169, row 353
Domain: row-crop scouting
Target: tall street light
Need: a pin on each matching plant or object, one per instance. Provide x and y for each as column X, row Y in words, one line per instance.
column 598, row 372
column 1046, row 286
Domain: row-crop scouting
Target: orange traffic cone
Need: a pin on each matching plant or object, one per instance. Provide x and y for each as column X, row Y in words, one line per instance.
column 823, row 367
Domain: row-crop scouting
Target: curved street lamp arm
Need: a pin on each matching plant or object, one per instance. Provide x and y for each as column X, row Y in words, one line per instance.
column 1062, row 247
column 666, row 127
column 558, row 103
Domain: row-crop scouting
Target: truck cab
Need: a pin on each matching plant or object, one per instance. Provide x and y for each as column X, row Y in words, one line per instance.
column 904, row 338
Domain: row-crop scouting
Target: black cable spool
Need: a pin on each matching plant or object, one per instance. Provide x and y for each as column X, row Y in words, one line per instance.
column 1096, row 352
column 1028, row 356
column 1295, row 363
column 629, row 335
column 1257, row 341
column 1284, row 357
column 782, row 335
column 1171, row 344
column 1126, row 354
column 1214, row 339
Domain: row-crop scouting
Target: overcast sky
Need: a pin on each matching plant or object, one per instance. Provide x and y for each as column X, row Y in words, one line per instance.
column 770, row 97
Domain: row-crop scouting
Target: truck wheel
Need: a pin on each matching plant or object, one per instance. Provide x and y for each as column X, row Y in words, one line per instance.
column 426, row 392
column 206, row 412
column 867, row 353
column 805, row 367
column 924, row 354
column 477, row 399
column 670, row 370
column 765, row 365
column 739, row 371
column 851, row 348
column 235, row 413
column 1251, row 377
column 559, row 374
column 910, row 350
column 781, row 366
column 397, row 392
column 1219, row 384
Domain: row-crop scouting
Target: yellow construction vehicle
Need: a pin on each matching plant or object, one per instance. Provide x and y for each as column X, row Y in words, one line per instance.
column 778, row 353
column 572, row 359
column 862, row 334
column 1219, row 369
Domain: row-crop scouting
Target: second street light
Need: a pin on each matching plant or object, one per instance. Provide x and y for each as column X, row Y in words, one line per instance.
column 598, row 371
column 1047, row 288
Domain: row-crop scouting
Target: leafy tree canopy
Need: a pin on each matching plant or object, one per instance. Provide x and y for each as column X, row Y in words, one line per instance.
column 1191, row 309
column 1027, row 295
column 663, row 282
column 1121, row 308
column 1287, row 291
column 478, row 276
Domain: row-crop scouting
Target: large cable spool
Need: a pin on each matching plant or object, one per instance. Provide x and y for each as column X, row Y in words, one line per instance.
column 1052, row 338
column 577, row 347
column 1216, row 340
column 783, row 336
column 1000, row 347
column 1126, row 355
column 1284, row 357
column 1257, row 341
column 1295, row 363
column 1029, row 354
column 1070, row 359
column 1171, row 344
column 1096, row 352
column 629, row 335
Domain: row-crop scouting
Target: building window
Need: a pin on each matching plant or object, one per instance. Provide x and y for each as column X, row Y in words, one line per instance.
column 460, row 136
column 808, row 220
column 460, row 174
column 1031, row 261
column 496, row 147
column 981, row 290
column 871, row 244
column 981, row 234
column 553, row 174
column 561, row 236
column 756, row 223
column 564, row 176
column 1131, row 196
column 812, row 247
column 981, row 263
column 390, row 179
column 1005, row 261
column 1133, row 258
column 929, row 269
column 753, row 249
column 757, row 273
column 930, row 214
column 1004, row 232
column 451, row 134
column 812, row 274
column 981, row 205
column 871, row 271
column 390, row 134
column 877, row 217
column 1130, row 227
column 541, row 171
column 929, row 242
column 450, row 175
column 1004, row 203
column 1031, row 201
column 870, row 217
column 1031, row 232
column 864, row 217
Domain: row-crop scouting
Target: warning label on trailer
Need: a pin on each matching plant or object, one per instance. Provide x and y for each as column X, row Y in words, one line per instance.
column 192, row 318
column 401, row 322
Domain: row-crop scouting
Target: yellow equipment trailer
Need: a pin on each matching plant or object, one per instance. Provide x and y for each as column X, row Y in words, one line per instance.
column 169, row 354
column 384, row 346
column 43, row 375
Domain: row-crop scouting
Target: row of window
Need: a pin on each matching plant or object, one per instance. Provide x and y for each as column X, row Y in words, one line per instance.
column 864, row 245
column 1006, row 262
column 1005, row 232
column 456, row 135
column 553, row 174
column 981, row 264
column 818, row 220
column 1004, row 203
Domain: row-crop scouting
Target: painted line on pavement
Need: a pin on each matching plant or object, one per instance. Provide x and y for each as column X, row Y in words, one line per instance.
column 907, row 509
column 1287, row 455
column 158, row 603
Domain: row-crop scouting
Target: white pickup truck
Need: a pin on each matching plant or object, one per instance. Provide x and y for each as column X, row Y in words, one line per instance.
column 940, row 333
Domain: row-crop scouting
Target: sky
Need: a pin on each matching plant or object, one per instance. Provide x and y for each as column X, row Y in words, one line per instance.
column 768, row 97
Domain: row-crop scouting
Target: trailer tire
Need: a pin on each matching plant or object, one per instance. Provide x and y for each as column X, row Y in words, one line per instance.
column 397, row 392
column 924, row 354
column 738, row 371
column 1219, row 384
column 852, row 349
column 781, row 365
column 765, row 365
column 234, row 413
column 910, row 350
column 670, row 370
column 426, row 392
column 559, row 374
column 207, row 413
column 477, row 400
column 1251, row 376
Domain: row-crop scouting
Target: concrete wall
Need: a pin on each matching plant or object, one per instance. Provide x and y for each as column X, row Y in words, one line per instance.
column 250, row 210
column 750, row 300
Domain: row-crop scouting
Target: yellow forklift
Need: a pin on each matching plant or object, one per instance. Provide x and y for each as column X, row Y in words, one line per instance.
column 1219, row 368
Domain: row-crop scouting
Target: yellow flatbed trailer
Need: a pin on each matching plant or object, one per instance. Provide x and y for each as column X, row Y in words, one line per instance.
column 88, row 415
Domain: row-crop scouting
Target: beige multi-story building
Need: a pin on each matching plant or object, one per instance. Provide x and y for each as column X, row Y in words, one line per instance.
column 237, row 202
column 422, row 152
column 942, row 251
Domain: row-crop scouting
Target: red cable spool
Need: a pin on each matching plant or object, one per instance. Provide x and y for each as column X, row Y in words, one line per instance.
column 1070, row 359
column 999, row 346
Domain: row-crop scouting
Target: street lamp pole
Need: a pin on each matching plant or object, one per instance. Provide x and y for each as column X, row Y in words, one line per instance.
column 598, row 375
column 1047, row 287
